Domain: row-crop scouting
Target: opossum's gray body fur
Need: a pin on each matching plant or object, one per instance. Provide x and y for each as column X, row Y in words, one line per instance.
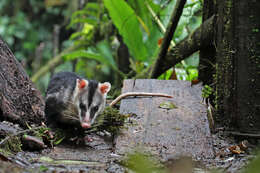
column 73, row 100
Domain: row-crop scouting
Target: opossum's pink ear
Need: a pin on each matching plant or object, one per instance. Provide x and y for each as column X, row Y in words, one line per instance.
column 104, row 87
column 81, row 83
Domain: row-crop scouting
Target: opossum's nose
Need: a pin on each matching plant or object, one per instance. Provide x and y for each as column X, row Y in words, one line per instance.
column 85, row 125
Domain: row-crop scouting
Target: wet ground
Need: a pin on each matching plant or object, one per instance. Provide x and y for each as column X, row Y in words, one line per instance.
column 100, row 157
column 167, row 134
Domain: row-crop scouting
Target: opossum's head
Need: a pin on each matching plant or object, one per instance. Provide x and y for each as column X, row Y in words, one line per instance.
column 91, row 100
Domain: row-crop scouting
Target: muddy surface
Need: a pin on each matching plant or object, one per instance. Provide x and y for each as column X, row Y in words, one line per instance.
column 167, row 134
column 96, row 156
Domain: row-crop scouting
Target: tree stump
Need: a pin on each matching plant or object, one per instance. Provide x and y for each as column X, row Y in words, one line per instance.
column 20, row 101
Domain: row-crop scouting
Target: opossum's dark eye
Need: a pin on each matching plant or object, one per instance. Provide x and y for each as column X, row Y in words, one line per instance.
column 82, row 106
column 95, row 108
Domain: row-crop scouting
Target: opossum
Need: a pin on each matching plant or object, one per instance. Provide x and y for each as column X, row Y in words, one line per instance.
column 73, row 100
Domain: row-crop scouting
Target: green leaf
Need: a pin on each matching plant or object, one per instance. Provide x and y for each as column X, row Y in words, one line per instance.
column 43, row 168
column 104, row 55
column 58, row 141
column 152, row 32
column 83, row 54
column 104, row 49
column 167, row 105
column 127, row 23
column 253, row 166
column 166, row 75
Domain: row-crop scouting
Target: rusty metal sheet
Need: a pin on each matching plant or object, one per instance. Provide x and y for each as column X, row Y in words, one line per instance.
column 166, row 133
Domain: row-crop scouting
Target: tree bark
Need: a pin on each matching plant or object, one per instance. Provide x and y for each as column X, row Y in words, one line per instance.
column 237, row 65
column 207, row 53
column 20, row 101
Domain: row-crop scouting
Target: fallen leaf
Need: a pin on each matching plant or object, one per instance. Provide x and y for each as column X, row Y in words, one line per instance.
column 236, row 149
column 167, row 105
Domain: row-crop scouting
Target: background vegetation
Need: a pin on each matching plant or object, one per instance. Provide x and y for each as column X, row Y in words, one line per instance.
column 37, row 31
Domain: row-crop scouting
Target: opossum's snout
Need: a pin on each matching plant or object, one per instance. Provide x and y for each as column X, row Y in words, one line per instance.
column 85, row 124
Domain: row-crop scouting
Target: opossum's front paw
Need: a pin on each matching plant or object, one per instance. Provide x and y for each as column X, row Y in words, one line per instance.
column 81, row 140
column 88, row 139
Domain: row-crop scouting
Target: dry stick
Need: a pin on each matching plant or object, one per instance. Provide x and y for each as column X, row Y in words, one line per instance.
column 157, row 20
column 19, row 133
column 137, row 94
column 169, row 33
column 55, row 61
column 55, row 42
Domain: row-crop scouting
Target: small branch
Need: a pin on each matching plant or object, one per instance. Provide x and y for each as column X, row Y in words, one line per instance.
column 57, row 60
column 38, row 57
column 19, row 133
column 55, row 42
column 137, row 94
column 200, row 38
column 252, row 135
column 157, row 20
column 169, row 33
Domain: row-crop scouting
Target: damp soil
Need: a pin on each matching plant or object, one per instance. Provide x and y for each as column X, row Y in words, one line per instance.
column 178, row 135
column 99, row 156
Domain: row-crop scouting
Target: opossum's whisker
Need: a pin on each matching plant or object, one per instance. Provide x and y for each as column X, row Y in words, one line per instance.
column 70, row 112
column 70, row 117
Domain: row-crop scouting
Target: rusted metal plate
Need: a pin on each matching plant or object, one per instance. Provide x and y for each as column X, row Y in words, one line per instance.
column 166, row 133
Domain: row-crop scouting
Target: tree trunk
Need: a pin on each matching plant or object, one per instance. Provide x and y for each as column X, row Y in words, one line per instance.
column 20, row 101
column 207, row 53
column 237, row 65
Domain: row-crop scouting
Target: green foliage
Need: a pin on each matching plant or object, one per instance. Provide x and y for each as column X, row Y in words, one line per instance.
column 253, row 166
column 95, row 29
column 206, row 91
column 187, row 70
column 26, row 24
column 110, row 120
column 139, row 29
column 126, row 21
column 12, row 145
column 95, row 59
column 141, row 163
column 43, row 168
column 167, row 105
column 43, row 133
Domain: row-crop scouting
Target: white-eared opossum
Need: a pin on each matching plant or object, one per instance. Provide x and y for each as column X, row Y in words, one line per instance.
column 73, row 100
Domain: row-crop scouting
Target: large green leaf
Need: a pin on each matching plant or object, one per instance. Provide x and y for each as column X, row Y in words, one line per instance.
column 103, row 48
column 85, row 54
column 103, row 55
column 127, row 23
column 152, row 32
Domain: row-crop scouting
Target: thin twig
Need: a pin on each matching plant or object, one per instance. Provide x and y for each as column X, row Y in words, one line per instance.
column 137, row 94
column 55, row 61
column 157, row 20
column 19, row 133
